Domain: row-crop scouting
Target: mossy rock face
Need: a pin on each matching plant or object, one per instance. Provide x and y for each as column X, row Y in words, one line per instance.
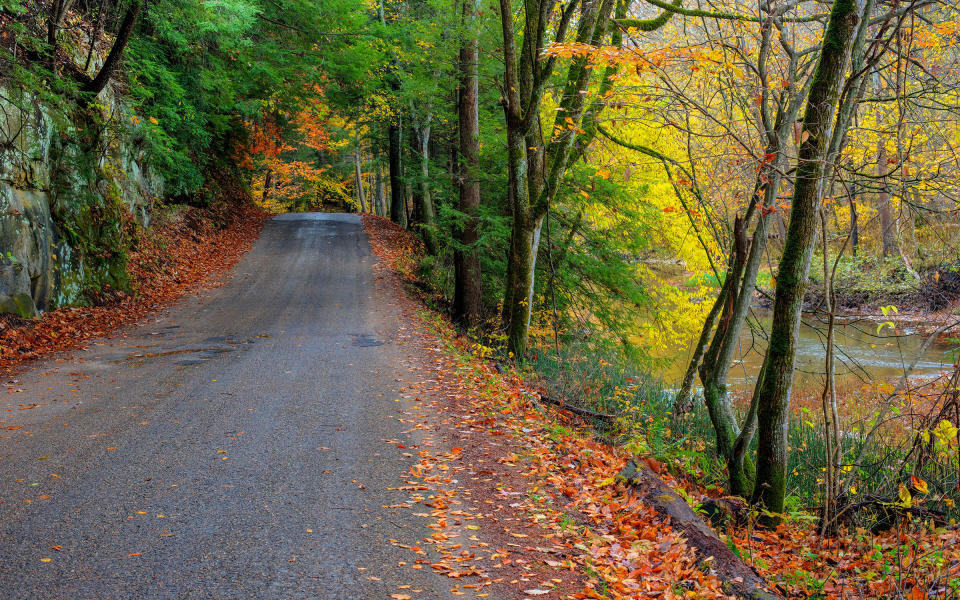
column 73, row 186
column 27, row 130
column 21, row 304
column 27, row 238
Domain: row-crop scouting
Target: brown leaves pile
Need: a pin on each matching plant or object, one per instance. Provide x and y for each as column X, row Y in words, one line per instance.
column 393, row 245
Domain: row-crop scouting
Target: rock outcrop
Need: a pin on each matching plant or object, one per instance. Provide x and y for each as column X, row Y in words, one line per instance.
column 69, row 188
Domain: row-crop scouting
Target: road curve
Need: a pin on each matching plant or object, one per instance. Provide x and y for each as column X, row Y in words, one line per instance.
column 230, row 448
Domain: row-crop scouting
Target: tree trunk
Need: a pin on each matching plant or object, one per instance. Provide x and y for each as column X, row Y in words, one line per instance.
column 684, row 401
column 888, row 228
column 380, row 195
column 528, row 159
column 427, row 217
column 467, row 290
column 523, row 263
column 267, row 182
column 56, row 12
column 112, row 62
column 398, row 210
column 854, row 225
column 359, row 175
column 412, row 183
column 772, row 394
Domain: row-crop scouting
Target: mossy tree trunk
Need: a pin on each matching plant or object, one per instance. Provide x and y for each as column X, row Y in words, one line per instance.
column 772, row 395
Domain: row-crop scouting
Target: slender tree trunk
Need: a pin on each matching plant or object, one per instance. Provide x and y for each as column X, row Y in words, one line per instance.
column 359, row 175
column 684, row 401
column 112, row 62
column 267, row 182
column 516, row 163
column 412, row 184
column 733, row 441
column 398, row 210
column 773, row 389
column 380, row 194
column 854, row 225
column 828, row 399
column 427, row 217
column 716, row 363
column 467, row 290
column 55, row 14
column 888, row 229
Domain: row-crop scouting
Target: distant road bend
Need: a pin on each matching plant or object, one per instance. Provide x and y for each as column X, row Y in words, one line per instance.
column 230, row 449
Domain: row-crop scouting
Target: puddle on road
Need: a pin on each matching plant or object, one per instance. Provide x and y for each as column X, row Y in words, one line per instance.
column 192, row 356
column 365, row 340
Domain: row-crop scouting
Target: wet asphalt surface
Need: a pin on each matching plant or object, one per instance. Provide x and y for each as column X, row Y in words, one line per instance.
column 228, row 448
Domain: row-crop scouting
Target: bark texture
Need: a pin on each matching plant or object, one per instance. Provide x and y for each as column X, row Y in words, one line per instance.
column 467, row 284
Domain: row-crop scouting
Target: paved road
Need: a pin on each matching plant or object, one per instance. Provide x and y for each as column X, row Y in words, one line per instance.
column 190, row 457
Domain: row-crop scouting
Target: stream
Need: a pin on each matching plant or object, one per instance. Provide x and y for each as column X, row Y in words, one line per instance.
column 862, row 354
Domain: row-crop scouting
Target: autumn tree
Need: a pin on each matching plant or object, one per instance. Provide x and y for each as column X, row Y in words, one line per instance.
column 538, row 157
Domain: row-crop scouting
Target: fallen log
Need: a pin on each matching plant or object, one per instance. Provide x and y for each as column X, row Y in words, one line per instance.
column 583, row 412
column 739, row 578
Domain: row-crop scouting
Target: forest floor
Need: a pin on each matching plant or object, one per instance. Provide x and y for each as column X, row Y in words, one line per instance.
column 548, row 482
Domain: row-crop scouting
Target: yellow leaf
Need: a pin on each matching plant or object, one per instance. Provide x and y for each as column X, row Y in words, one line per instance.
column 905, row 498
column 154, row 121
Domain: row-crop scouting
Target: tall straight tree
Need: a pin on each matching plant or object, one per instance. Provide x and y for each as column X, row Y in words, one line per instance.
column 398, row 208
column 467, row 291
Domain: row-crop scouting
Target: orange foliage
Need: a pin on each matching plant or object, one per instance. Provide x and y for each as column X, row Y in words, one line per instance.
column 271, row 150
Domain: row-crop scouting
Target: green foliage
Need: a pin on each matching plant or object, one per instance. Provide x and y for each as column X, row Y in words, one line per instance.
column 591, row 261
column 873, row 277
column 196, row 70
